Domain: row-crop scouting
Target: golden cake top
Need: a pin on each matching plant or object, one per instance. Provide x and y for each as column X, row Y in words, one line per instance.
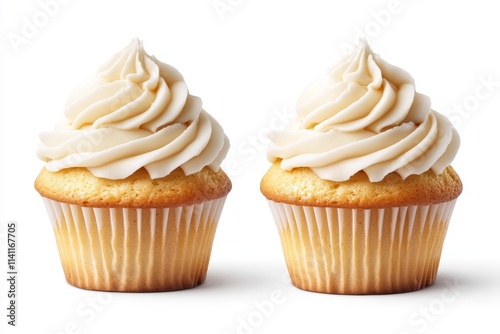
column 79, row 186
column 301, row 186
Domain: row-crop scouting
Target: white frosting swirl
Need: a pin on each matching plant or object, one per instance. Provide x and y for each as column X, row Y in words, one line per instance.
column 135, row 112
column 365, row 115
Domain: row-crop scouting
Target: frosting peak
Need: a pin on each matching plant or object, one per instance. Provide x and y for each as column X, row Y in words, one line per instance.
column 135, row 112
column 365, row 114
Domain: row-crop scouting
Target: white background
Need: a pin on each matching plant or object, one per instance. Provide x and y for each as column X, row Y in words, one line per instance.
column 248, row 64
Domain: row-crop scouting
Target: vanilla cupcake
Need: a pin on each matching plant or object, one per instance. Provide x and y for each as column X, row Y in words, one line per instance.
column 361, row 188
column 132, row 181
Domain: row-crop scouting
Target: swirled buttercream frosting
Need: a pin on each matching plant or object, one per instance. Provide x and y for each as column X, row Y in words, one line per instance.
column 365, row 115
column 136, row 112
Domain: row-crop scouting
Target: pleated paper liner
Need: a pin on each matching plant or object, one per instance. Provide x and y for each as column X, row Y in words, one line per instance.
column 128, row 249
column 362, row 251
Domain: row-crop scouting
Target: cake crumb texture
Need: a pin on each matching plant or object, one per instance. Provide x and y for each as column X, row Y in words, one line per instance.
column 301, row 186
column 79, row 186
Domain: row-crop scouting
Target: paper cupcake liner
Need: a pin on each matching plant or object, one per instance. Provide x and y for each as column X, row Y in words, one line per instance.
column 129, row 249
column 362, row 251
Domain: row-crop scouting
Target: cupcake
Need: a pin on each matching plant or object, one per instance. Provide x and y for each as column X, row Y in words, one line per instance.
column 361, row 188
column 132, row 182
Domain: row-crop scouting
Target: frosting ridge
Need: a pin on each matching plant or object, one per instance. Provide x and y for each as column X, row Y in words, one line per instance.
column 135, row 112
column 365, row 115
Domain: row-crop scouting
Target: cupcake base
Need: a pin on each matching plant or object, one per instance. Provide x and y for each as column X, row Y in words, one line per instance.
column 134, row 249
column 362, row 251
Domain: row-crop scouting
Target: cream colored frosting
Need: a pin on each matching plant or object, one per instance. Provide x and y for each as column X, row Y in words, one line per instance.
column 135, row 112
column 365, row 115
